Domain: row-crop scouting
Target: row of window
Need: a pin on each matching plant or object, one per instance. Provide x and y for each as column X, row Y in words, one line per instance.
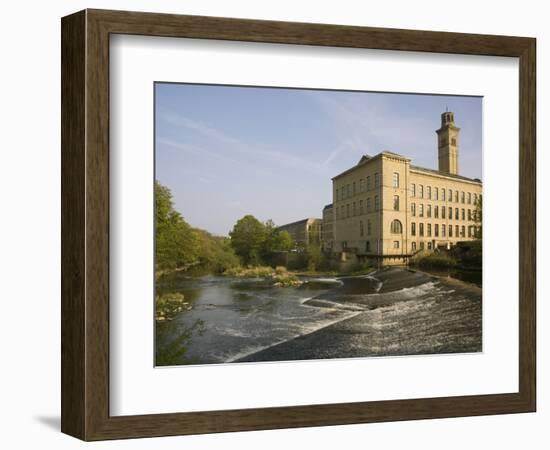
column 396, row 227
column 364, row 185
column 446, row 230
column 354, row 188
column 445, row 194
column 413, row 246
column 358, row 208
column 459, row 213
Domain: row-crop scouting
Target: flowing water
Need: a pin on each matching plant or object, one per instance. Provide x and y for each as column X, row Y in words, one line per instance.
column 392, row 312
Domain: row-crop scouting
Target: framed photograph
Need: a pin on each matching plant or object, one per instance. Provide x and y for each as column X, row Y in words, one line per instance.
column 273, row 225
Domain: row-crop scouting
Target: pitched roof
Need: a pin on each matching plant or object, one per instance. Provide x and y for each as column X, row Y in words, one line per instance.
column 443, row 174
column 366, row 158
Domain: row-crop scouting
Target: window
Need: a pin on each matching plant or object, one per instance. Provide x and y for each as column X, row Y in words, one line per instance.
column 413, row 246
column 429, row 229
column 450, row 213
column 469, row 198
column 475, row 199
column 336, row 194
column 422, row 246
column 348, row 192
column 354, row 188
column 354, row 210
column 413, row 209
column 361, row 207
column 376, row 203
column 443, row 209
column 395, row 244
column 421, row 229
column 443, row 194
column 369, row 227
column 453, row 141
column 436, row 212
column 376, row 180
column 368, row 183
column 395, row 180
column 456, row 213
column 368, row 246
column 463, row 214
column 463, row 231
column 462, row 197
column 413, row 229
column 436, row 230
column 361, row 229
column 361, row 185
column 442, row 230
column 347, row 210
column 421, row 210
column 421, row 191
column 450, row 231
column 369, row 205
column 429, row 245
column 413, row 190
column 429, row 192
column 396, row 202
column 450, row 195
column 396, row 227
column 456, row 231
column 429, row 210
column 469, row 214
column 436, row 193
column 456, row 196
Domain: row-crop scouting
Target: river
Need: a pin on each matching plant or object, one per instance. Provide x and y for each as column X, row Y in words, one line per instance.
column 390, row 312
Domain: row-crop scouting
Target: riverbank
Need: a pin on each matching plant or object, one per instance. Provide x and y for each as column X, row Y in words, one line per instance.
column 397, row 312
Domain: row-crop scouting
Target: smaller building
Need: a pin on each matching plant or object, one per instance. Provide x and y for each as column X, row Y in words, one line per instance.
column 327, row 229
column 304, row 232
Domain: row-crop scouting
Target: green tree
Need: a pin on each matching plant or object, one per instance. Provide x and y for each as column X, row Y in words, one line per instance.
column 216, row 253
column 176, row 242
column 314, row 257
column 284, row 241
column 248, row 238
column 276, row 240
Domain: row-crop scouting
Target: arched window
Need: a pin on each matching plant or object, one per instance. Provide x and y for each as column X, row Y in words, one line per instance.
column 396, row 227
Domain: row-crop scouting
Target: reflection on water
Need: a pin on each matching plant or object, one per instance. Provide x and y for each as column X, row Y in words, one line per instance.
column 391, row 312
column 237, row 317
column 468, row 276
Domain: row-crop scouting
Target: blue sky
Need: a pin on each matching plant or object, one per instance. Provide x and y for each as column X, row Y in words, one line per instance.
column 228, row 151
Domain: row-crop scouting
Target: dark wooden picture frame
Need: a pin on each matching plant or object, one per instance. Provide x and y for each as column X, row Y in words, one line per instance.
column 85, row 224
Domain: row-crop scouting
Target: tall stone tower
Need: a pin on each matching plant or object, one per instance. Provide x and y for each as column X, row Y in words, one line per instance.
column 447, row 137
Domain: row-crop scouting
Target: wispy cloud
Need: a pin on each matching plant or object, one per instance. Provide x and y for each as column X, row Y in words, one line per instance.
column 179, row 120
column 220, row 142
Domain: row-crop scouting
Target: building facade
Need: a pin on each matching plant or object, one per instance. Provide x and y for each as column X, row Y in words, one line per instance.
column 327, row 229
column 304, row 232
column 386, row 208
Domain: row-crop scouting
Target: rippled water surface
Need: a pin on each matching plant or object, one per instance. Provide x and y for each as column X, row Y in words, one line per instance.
column 393, row 312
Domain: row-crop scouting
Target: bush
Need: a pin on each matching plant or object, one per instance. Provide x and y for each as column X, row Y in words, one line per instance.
column 167, row 306
column 249, row 272
column 434, row 260
column 286, row 280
